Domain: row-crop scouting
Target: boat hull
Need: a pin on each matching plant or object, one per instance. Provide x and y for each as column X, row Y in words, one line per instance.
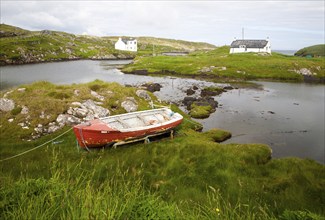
column 98, row 134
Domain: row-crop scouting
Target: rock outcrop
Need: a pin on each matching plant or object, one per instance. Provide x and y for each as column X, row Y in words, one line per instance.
column 77, row 113
column 6, row 105
column 130, row 104
column 88, row 110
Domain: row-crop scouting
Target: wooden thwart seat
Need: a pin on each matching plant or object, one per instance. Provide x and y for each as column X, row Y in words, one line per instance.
column 125, row 125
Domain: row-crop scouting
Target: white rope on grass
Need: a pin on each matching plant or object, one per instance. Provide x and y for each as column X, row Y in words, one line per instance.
column 25, row 152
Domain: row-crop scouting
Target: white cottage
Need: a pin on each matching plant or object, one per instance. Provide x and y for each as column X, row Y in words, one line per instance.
column 130, row 44
column 246, row 46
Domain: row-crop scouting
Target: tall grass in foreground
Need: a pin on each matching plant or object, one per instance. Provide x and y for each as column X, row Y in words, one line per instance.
column 75, row 193
column 72, row 192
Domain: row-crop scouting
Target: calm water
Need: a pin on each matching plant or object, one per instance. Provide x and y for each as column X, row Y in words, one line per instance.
column 286, row 52
column 288, row 117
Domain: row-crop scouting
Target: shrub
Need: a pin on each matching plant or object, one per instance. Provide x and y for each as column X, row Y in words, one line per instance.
column 16, row 110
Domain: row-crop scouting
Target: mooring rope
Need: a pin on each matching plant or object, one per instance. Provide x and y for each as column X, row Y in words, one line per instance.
column 27, row 151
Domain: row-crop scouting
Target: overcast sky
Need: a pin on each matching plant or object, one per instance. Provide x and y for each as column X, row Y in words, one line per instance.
column 288, row 24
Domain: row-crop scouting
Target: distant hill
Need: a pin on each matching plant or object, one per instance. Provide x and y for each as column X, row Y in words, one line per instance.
column 18, row 46
column 167, row 45
column 11, row 31
column 314, row 51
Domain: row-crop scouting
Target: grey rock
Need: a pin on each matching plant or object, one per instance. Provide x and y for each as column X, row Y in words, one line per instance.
column 65, row 119
column 7, row 93
column 305, row 72
column 22, row 124
column 53, row 128
column 24, row 110
column 96, row 110
column 78, row 112
column 6, row 105
column 88, row 110
column 42, row 115
column 21, row 89
column 143, row 94
column 152, row 87
column 46, row 32
column 96, row 95
column 130, row 104
column 76, row 92
column 39, row 129
column 190, row 92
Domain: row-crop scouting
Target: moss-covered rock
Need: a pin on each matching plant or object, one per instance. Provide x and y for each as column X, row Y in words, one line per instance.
column 217, row 135
column 200, row 111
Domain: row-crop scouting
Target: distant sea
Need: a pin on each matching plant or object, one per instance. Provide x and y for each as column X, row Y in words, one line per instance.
column 286, row 52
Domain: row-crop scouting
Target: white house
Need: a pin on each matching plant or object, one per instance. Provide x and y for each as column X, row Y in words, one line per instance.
column 130, row 44
column 246, row 46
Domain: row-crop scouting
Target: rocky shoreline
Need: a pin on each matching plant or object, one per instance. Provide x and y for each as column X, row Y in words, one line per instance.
column 43, row 122
column 32, row 61
column 306, row 77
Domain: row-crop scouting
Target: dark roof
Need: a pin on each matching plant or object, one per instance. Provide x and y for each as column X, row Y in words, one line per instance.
column 249, row 43
column 125, row 40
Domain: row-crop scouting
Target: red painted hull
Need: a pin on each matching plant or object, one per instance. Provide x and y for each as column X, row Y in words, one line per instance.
column 97, row 133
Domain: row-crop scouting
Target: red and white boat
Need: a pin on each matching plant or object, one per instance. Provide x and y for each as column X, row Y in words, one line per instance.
column 124, row 128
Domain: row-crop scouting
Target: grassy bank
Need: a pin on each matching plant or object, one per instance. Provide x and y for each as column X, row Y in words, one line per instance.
column 312, row 51
column 18, row 46
column 189, row 177
column 147, row 46
column 219, row 64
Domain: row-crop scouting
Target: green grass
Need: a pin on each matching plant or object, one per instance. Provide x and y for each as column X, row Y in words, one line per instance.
column 217, row 135
column 51, row 100
column 200, row 111
column 313, row 51
column 188, row 177
column 35, row 46
column 21, row 46
column 238, row 66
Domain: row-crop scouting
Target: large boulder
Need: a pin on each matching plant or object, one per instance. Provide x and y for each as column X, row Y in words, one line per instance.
column 6, row 105
column 130, row 104
column 95, row 110
column 143, row 94
column 152, row 87
column 88, row 110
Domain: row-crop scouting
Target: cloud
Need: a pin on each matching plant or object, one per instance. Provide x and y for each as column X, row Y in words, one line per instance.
column 216, row 22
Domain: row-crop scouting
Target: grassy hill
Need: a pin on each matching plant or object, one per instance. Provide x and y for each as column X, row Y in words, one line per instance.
column 22, row 46
column 150, row 45
column 188, row 177
column 314, row 51
column 219, row 64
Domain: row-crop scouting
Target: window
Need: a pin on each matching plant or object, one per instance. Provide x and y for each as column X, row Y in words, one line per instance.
column 242, row 46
